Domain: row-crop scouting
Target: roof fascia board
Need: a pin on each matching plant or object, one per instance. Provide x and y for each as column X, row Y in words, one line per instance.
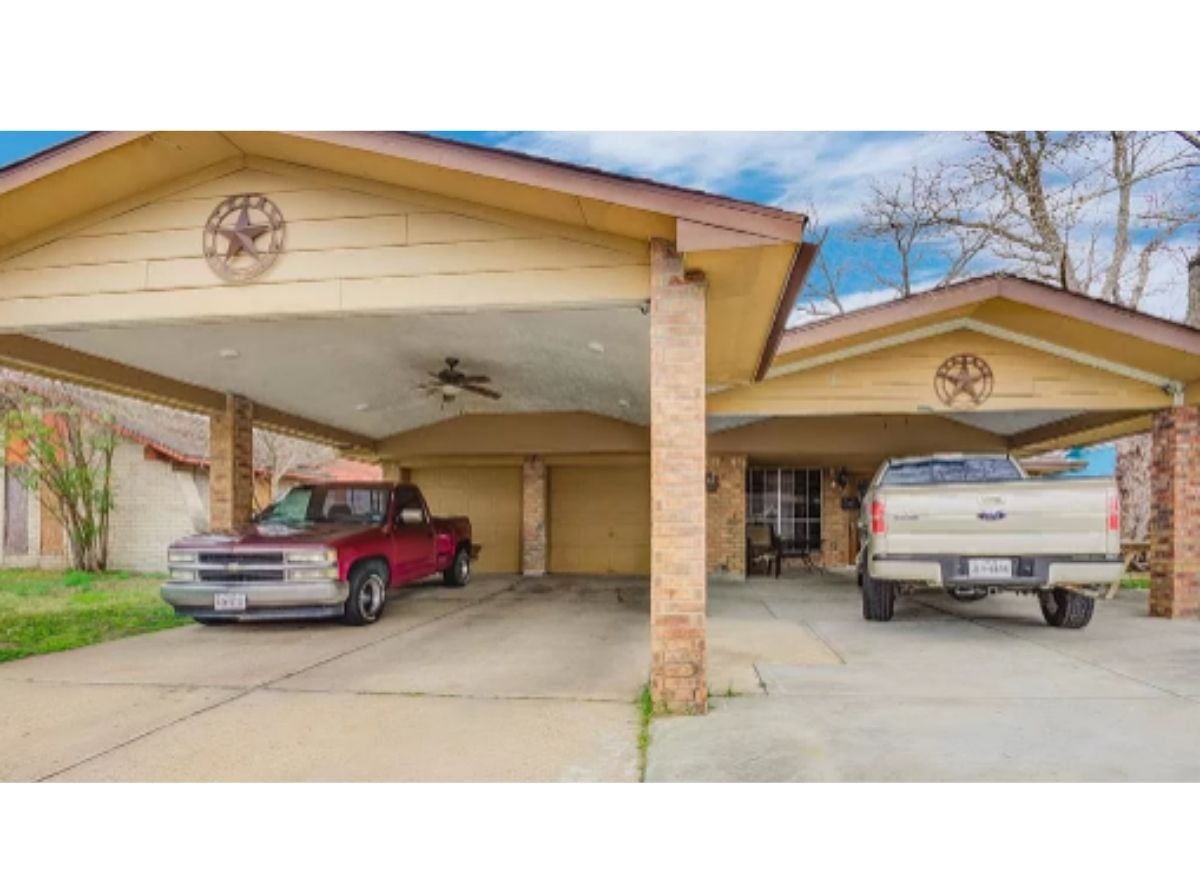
column 772, row 223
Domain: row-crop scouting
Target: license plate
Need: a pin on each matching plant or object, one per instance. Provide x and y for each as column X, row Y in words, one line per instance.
column 990, row 569
column 229, row 601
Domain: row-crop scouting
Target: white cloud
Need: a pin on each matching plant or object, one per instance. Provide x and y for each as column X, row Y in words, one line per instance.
column 830, row 172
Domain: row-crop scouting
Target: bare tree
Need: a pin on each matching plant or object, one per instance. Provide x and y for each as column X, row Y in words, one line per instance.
column 821, row 296
column 1091, row 212
column 1192, row 138
column 913, row 216
column 281, row 455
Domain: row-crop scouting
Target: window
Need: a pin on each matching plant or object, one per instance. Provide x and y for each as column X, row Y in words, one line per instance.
column 967, row 470
column 788, row 500
column 341, row 504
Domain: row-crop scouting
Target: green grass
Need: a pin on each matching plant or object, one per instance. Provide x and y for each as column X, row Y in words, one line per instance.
column 48, row 611
column 1135, row 581
column 646, row 710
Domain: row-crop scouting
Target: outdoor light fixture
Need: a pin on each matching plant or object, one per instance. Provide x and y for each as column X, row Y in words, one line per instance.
column 711, row 481
column 595, row 347
column 228, row 353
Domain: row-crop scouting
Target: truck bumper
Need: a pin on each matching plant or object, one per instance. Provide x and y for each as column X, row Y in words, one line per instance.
column 287, row 599
column 1030, row 572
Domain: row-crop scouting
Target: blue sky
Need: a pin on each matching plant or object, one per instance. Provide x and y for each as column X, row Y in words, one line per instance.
column 826, row 175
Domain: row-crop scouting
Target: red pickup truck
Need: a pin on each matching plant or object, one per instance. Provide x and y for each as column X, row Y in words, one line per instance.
column 326, row 550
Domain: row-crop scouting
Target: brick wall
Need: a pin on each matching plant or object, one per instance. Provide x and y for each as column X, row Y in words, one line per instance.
column 726, row 522
column 533, row 517
column 231, row 449
column 840, row 541
column 154, row 504
column 678, row 677
column 1175, row 513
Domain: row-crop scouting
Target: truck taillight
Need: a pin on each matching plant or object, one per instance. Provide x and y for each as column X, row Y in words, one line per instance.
column 1114, row 513
column 878, row 518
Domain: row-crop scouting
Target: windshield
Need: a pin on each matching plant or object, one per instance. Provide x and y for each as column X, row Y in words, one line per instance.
column 329, row 504
column 977, row 469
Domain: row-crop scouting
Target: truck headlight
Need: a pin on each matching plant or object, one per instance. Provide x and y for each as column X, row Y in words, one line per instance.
column 327, row 573
column 178, row 557
column 325, row 556
column 182, row 574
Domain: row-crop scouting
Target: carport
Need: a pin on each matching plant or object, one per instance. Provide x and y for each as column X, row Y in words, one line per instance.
column 650, row 396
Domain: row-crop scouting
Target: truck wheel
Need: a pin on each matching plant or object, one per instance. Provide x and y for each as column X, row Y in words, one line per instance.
column 878, row 598
column 368, row 593
column 1063, row 608
column 459, row 572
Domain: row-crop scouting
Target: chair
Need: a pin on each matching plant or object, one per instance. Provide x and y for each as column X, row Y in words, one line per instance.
column 763, row 548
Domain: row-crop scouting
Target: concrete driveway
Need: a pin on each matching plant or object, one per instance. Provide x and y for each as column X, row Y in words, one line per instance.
column 503, row 680
column 518, row 680
column 948, row 692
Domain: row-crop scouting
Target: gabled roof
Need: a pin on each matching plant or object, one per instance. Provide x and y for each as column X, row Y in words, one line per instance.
column 448, row 158
column 1004, row 302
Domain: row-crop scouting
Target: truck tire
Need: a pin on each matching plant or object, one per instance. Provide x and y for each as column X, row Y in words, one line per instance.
column 878, row 598
column 368, row 593
column 459, row 572
column 1063, row 608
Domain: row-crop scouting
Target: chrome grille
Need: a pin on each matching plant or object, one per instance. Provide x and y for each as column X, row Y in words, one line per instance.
column 240, row 567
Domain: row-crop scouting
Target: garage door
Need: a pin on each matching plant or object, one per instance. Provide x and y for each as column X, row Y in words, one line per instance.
column 491, row 497
column 600, row 520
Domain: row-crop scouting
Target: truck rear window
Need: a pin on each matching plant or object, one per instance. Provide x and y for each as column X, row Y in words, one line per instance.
column 967, row 470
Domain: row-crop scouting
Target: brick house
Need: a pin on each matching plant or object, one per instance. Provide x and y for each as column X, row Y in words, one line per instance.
column 160, row 475
column 651, row 401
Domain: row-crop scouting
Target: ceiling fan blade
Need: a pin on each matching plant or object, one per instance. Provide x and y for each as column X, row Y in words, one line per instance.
column 477, row 379
column 483, row 391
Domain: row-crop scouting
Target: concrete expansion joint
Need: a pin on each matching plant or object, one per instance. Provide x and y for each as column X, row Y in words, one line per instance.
column 264, row 685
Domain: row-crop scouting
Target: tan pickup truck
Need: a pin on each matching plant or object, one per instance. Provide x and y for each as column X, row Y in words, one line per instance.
column 975, row 524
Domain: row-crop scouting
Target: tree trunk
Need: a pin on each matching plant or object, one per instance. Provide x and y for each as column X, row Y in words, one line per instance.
column 1193, row 290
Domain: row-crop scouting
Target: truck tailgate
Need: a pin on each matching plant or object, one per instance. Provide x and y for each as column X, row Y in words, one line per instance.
column 1028, row 517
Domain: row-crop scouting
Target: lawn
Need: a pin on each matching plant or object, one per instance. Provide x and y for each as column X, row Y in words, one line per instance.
column 47, row 611
column 1135, row 581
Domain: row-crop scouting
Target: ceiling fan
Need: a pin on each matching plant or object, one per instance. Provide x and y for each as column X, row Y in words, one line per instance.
column 450, row 382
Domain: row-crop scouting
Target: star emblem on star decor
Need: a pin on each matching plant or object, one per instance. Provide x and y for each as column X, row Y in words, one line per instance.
column 243, row 236
column 963, row 379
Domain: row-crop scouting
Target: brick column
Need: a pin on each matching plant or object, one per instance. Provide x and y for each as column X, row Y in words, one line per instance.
column 533, row 516
column 231, row 472
column 726, row 532
column 678, row 679
column 1175, row 513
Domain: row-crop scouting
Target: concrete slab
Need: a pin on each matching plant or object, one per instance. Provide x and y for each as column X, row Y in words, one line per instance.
column 821, row 739
column 569, row 641
column 45, row 728
column 274, row 736
column 738, row 649
column 948, row 691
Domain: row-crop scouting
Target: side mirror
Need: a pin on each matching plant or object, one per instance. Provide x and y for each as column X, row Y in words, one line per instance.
column 412, row 516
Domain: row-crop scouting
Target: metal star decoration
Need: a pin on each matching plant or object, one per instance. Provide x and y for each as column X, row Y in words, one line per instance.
column 963, row 379
column 243, row 236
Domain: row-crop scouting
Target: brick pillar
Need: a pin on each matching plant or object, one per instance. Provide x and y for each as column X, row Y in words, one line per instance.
column 231, row 473
column 1175, row 513
column 726, row 531
column 533, row 516
column 678, row 679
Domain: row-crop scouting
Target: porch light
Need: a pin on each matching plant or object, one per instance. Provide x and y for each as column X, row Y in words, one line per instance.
column 229, row 353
